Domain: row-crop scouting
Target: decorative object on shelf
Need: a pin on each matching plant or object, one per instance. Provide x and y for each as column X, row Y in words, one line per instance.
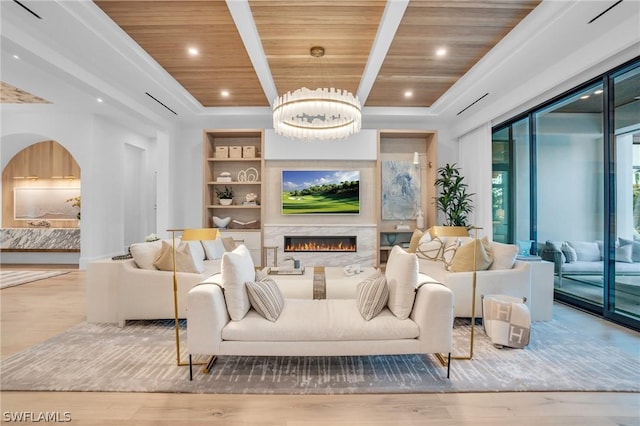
column 251, row 199
column 403, row 227
column 198, row 234
column 222, row 152
column 40, row 223
column 151, row 237
column 400, row 190
column 251, row 224
column 453, row 199
column 248, row 151
column 320, row 114
column 524, row 247
column 235, row 152
column 221, row 222
column 248, row 175
column 224, row 177
column 391, row 239
column 420, row 219
column 225, row 195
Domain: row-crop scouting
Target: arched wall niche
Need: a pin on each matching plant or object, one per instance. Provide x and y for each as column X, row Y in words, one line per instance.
column 44, row 167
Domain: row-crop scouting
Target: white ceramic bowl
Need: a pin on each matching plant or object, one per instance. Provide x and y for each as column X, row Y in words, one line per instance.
column 221, row 222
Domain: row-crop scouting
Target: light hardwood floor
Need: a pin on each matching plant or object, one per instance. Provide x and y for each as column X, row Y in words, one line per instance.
column 36, row 311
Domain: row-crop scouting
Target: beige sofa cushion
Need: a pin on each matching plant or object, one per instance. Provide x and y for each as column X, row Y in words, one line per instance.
column 329, row 320
column 237, row 269
column 402, row 277
column 145, row 254
column 186, row 261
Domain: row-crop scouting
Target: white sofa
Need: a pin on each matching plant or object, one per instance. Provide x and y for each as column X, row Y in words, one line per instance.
column 449, row 260
column 135, row 289
column 328, row 327
column 514, row 282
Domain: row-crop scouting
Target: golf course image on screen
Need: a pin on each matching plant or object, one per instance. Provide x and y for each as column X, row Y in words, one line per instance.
column 320, row 192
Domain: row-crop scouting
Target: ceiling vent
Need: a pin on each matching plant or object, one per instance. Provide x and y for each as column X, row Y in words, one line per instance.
column 605, row 11
column 152, row 97
column 27, row 9
column 473, row 103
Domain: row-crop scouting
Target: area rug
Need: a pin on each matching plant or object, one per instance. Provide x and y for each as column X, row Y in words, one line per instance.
column 141, row 358
column 14, row 278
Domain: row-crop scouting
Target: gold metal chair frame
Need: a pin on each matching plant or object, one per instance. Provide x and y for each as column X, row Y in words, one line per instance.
column 197, row 234
column 461, row 231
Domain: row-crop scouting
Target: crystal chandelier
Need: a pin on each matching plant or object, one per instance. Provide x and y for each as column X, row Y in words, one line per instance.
column 317, row 114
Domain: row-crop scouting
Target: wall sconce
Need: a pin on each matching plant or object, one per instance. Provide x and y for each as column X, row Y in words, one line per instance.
column 416, row 159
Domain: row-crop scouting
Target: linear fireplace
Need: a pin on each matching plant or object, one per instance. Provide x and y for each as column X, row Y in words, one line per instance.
column 308, row 243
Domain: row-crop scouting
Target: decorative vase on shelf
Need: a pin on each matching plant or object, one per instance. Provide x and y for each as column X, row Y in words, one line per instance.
column 221, row 222
column 391, row 239
column 226, row 201
column 420, row 219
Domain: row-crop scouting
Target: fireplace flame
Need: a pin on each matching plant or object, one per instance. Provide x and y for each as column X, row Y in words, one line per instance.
column 319, row 246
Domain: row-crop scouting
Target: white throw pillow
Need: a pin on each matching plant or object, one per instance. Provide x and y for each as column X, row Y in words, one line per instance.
column 214, row 249
column 145, row 254
column 504, row 255
column 402, row 277
column 569, row 252
column 624, row 254
column 265, row 297
column 586, row 251
column 372, row 295
column 237, row 268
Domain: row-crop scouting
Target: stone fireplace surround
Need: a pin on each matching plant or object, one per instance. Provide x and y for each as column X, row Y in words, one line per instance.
column 366, row 244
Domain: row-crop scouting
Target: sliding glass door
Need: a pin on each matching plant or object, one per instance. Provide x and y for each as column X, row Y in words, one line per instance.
column 624, row 292
column 566, row 174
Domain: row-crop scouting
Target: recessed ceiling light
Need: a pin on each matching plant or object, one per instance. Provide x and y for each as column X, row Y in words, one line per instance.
column 16, row 57
column 99, row 100
column 408, row 94
column 225, row 93
column 597, row 92
column 441, row 51
column 193, row 51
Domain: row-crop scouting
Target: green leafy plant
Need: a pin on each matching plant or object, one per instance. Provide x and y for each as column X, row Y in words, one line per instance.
column 75, row 202
column 453, row 199
column 227, row 192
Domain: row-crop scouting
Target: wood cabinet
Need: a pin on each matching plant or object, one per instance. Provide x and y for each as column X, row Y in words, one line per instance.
column 233, row 159
column 397, row 151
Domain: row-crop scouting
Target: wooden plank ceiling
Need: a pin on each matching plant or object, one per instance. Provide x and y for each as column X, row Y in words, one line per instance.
column 345, row 28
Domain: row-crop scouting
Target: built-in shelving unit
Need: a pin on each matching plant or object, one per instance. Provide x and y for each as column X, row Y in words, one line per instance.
column 400, row 145
column 237, row 153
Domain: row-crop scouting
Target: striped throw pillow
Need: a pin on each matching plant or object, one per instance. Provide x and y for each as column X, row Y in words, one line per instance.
column 265, row 298
column 372, row 295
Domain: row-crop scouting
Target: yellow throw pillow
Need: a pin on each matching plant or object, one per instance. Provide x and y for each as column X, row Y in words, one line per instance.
column 463, row 260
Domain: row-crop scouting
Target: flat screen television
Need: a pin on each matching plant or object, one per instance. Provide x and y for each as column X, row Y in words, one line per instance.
column 320, row 192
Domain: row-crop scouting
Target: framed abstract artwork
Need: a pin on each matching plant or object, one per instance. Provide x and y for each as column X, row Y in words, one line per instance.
column 45, row 203
column 400, row 190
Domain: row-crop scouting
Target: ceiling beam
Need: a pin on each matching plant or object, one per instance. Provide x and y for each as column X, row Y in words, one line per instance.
column 391, row 18
column 241, row 14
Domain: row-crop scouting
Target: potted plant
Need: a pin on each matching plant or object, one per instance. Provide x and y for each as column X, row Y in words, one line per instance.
column 453, row 199
column 225, row 195
column 75, row 202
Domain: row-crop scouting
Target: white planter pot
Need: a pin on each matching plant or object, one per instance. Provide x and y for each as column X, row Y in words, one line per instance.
column 226, row 201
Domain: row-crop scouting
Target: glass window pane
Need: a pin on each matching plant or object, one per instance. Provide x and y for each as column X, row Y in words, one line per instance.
column 626, row 288
column 570, row 192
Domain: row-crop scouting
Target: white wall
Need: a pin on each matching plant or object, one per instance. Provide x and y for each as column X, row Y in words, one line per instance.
column 98, row 147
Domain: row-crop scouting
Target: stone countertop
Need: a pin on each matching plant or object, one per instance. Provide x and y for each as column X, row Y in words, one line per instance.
column 64, row 239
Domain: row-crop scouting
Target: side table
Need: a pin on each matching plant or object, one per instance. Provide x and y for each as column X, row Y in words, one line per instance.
column 541, row 288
